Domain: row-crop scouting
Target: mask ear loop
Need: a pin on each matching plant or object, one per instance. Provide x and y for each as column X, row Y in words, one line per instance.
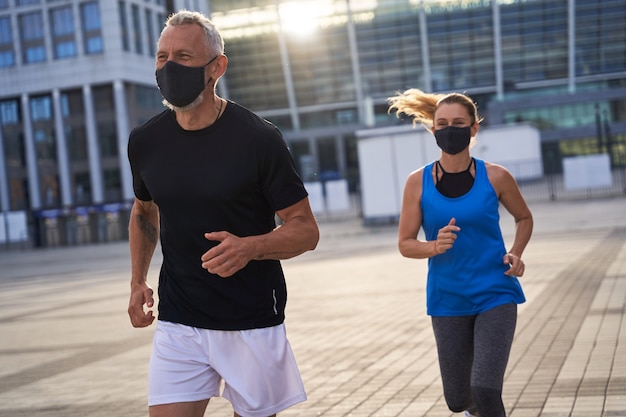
column 205, row 65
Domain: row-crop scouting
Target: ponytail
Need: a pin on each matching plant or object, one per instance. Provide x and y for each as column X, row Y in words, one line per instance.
column 422, row 106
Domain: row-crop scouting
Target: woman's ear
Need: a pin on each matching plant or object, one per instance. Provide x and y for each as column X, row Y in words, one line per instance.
column 474, row 129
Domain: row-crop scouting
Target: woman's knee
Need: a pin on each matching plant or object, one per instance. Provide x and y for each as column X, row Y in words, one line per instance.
column 488, row 401
column 458, row 403
column 456, row 407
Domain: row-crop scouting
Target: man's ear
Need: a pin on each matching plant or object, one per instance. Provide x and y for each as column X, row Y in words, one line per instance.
column 220, row 68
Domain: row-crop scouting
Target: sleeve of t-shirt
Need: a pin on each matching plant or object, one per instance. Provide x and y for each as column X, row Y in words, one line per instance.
column 139, row 187
column 280, row 180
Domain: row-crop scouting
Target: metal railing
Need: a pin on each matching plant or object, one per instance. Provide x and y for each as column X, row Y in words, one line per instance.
column 72, row 231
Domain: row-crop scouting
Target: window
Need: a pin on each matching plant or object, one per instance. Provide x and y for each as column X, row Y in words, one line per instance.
column 90, row 15
column 264, row 87
column 81, row 184
column 150, row 33
column 321, row 67
column 62, row 21
column 62, row 24
column 112, row 185
column 7, row 54
column 534, row 41
column 600, row 37
column 72, row 110
column 390, row 50
column 7, row 59
column 107, row 137
column 124, row 26
column 33, row 42
column 9, row 113
column 137, row 32
column 41, row 108
column 461, row 53
column 5, row 30
column 14, row 153
column 45, row 149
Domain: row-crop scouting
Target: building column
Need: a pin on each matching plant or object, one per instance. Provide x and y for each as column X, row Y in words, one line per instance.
column 362, row 104
column 63, row 163
column 31, row 156
column 123, row 131
column 497, row 50
column 5, row 202
column 80, row 40
column 284, row 59
column 93, row 148
column 571, row 46
column 340, row 156
column 428, row 83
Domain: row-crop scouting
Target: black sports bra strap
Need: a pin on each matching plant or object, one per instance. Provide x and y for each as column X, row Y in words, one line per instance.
column 438, row 167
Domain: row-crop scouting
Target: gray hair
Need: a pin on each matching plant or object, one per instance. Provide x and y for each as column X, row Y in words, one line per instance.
column 186, row 17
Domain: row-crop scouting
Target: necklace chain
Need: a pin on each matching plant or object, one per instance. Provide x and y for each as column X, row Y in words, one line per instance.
column 219, row 111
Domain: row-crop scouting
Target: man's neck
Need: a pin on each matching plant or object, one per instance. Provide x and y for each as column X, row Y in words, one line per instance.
column 201, row 116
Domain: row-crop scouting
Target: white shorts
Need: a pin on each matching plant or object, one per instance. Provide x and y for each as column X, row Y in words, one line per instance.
column 260, row 374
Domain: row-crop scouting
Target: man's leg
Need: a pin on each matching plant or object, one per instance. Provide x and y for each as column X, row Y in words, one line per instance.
column 237, row 415
column 188, row 409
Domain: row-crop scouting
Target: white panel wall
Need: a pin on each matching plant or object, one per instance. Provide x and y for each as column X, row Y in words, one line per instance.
column 388, row 155
column 379, row 187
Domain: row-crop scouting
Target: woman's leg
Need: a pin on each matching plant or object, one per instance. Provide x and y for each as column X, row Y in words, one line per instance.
column 455, row 347
column 493, row 337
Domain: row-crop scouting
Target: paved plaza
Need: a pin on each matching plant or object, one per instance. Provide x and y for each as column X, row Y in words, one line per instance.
column 355, row 318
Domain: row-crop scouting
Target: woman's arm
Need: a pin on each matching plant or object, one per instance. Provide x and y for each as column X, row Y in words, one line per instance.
column 411, row 221
column 510, row 196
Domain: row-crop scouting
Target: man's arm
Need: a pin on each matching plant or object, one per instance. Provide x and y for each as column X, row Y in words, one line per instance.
column 143, row 231
column 298, row 233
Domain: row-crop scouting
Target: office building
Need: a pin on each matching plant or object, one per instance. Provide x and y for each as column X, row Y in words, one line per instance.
column 77, row 75
column 323, row 69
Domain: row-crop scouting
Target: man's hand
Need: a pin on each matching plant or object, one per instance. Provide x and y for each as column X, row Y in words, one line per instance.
column 141, row 295
column 229, row 256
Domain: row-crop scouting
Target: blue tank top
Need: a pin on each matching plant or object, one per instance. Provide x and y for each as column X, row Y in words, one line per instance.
column 469, row 278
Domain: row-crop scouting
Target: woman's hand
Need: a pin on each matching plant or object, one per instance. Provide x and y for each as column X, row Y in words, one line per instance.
column 516, row 265
column 446, row 237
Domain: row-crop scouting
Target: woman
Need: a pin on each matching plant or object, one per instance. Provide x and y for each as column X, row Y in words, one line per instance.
column 472, row 288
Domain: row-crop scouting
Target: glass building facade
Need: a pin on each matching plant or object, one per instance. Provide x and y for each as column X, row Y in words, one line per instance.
column 322, row 69
column 77, row 75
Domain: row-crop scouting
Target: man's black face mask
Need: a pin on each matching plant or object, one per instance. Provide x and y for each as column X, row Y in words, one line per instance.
column 179, row 84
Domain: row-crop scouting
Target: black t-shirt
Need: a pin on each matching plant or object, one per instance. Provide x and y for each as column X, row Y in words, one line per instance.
column 232, row 176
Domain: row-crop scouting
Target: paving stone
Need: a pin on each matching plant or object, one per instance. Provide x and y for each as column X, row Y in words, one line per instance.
column 355, row 318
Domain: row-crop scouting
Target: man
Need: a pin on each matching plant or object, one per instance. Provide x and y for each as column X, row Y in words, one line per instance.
column 209, row 177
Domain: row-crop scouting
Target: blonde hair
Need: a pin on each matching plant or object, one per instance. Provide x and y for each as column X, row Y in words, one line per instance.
column 422, row 106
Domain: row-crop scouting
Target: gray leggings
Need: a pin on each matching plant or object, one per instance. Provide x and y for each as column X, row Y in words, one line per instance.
column 473, row 354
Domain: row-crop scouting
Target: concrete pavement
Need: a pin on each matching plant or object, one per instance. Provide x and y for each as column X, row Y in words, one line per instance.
column 355, row 318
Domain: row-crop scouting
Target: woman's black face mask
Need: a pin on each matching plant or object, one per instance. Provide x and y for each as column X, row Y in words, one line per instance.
column 452, row 139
